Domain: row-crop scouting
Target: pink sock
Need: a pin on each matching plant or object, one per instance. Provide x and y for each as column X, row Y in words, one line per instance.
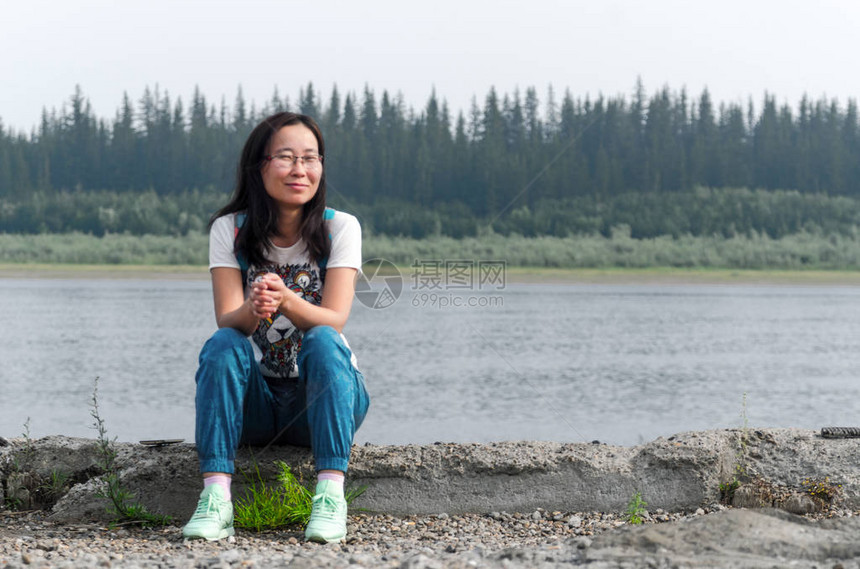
column 330, row 476
column 222, row 481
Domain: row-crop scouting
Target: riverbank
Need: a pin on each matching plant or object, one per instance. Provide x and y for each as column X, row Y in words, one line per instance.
column 513, row 275
column 802, row 251
column 728, row 498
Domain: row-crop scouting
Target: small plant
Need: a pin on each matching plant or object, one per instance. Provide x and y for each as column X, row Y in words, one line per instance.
column 13, row 503
column 25, row 459
column 20, row 463
column 268, row 507
column 741, row 470
column 122, row 504
column 727, row 490
column 28, row 442
column 636, row 511
column 822, row 491
column 55, row 486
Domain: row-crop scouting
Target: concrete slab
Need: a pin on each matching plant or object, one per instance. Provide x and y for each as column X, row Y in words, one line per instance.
column 682, row 472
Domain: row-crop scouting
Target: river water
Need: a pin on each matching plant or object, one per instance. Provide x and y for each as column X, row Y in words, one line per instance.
column 622, row 364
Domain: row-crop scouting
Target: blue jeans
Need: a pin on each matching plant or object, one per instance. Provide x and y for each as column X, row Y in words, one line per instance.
column 322, row 409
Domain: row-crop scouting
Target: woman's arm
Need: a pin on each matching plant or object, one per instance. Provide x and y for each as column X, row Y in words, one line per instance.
column 334, row 310
column 232, row 310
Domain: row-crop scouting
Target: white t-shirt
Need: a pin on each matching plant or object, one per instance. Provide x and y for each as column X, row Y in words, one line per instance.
column 277, row 341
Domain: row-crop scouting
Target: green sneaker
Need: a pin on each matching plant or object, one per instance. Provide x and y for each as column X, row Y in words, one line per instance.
column 213, row 518
column 328, row 515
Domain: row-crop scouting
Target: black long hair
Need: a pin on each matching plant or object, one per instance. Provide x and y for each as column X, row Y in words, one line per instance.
column 262, row 215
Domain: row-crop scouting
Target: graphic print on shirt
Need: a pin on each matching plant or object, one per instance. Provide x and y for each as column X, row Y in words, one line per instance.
column 278, row 338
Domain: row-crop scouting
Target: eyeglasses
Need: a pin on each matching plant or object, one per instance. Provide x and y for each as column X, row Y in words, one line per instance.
column 310, row 162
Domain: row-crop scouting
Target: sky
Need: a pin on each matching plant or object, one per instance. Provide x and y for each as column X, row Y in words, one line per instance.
column 737, row 49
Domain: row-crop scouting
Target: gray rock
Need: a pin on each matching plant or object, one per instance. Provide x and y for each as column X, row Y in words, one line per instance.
column 680, row 473
column 19, row 487
column 800, row 504
column 749, row 496
column 734, row 538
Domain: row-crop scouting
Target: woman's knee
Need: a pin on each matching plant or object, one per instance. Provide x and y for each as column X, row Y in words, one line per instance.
column 320, row 335
column 226, row 353
column 225, row 340
column 320, row 342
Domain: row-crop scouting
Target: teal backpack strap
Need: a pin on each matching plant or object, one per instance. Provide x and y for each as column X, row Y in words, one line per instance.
column 328, row 215
column 239, row 220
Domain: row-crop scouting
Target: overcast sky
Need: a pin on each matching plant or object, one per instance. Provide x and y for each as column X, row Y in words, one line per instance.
column 737, row 48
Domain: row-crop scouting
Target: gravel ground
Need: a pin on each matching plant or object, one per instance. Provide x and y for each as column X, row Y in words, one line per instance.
column 373, row 540
column 540, row 539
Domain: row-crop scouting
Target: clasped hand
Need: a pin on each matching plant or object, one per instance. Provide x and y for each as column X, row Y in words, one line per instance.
column 268, row 294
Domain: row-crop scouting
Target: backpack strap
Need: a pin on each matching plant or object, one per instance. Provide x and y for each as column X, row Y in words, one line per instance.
column 328, row 215
column 239, row 220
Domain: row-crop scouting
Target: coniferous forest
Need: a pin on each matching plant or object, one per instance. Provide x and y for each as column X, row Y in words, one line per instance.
column 664, row 163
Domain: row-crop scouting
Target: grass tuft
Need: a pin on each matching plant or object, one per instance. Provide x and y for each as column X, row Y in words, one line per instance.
column 289, row 502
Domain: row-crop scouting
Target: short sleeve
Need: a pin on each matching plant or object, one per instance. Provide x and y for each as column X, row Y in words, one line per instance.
column 345, row 241
column 221, row 238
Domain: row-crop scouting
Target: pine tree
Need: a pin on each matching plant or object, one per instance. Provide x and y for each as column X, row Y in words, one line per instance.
column 240, row 114
column 308, row 104
column 332, row 114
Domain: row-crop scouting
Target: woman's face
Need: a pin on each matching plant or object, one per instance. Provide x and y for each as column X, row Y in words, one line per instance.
column 292, row 185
